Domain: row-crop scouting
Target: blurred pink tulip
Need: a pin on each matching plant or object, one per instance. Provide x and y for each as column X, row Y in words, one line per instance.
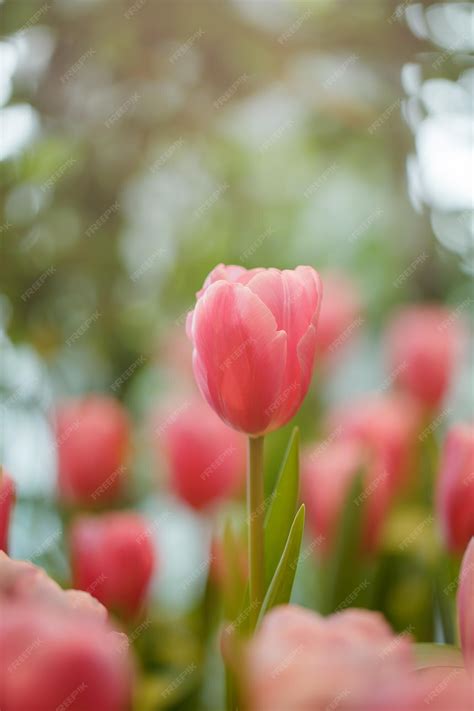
column 382, row 431
column 466, row 605
column 57, row 647
column 340, row 314
column 24, row 582
column 52, row 659
column 327, row 474
column 300, row 660
column 7, row 500
column 424, row 342
column 254, row 339
column 386, row 425
column 93, row 440
column 206, row 459
column 455, row 487
column 112, row 558
column 437, row 689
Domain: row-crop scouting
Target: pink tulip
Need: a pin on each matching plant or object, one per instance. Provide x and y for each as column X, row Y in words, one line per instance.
column 328, row 471
column 340, row 314
column 424, row 342
column 206, row 459
column 24, row 582
column 254, row 340
column 455, row 487
column 112, row 558
column 437, row 689
column 386, row 426
column 300, row 660
column 93, row 441
column 57, row 648
column 7, row 500
column 466, row 605
column 50, row 659
column 381, row 430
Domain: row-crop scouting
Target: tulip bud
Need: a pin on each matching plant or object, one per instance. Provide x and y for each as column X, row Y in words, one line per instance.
column 455, row 488
column 7, row 500
column 254, row 340
column 206, row 459
column 112, row 558
column 424, row 342
column 466, row 605
column 340, row 315
column 93, row 439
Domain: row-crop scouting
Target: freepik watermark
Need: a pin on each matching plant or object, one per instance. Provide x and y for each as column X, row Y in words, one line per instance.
column 166, row 155
column 77, row 66
column 365, row 224
column 218, row 461
column 293, row 29
column 118, row 382
column 349, row 600
column 236, row 354
column 123, row 109
column 34, row 19
column 133, row 9
column 341, row 69
column 92, row 229
column 171, row 418
column 57, row 175
column 224, row 98
column 186, row 46
column 250, row 251
column 410, row 270
column 311, row 189
column 379, row 122
column 176, row 683
column 36, row 286
column 83, row 328
column 147, row 264
column 105, row 486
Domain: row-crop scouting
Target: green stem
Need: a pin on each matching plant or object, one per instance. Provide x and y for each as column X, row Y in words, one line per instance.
column 256, row 514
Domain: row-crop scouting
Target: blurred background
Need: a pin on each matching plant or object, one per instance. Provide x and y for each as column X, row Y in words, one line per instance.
column 144, row 141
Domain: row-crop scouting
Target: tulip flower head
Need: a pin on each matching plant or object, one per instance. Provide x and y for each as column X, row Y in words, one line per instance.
column 455, row 489
column 7, row 500
column 205, row 457
column 300, row 660
column 254, row 342
column 112, row 558
column 424, row 343
column 466, row 606
column 57, row 648
column 327, row 473
column 386, row 426
column 93, row 440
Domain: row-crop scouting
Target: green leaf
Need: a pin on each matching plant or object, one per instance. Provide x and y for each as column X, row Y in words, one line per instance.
column 341, row 571
column 438, row 655
column 282, row 509
column 279, row 591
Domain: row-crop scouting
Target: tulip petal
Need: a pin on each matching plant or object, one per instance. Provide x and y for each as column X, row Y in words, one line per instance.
column 240, row 356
